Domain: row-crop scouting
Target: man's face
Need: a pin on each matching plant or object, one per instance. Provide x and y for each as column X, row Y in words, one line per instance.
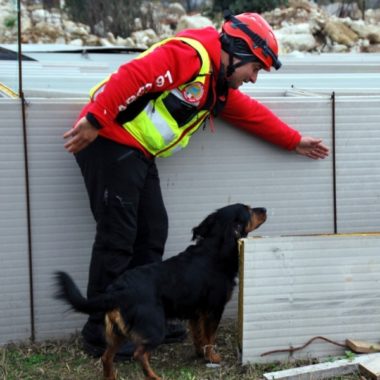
column 244, row 74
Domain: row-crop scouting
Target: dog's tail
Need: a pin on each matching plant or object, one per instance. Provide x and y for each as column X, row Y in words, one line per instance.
column 69, row 292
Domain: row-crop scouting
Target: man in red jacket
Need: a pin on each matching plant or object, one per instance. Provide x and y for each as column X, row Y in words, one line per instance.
column 150, row 108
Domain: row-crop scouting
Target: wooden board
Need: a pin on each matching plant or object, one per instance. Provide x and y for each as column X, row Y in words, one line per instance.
column 362, row 347
column 371, row 369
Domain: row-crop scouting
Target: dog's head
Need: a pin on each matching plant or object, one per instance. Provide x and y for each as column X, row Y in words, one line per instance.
column 237, row 219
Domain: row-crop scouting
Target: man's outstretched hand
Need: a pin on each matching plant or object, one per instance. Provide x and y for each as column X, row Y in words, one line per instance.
column 312, row 148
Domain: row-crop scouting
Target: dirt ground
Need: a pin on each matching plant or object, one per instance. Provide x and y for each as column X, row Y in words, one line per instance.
column 65, row 360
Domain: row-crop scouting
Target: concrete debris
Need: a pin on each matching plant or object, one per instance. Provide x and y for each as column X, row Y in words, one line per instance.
column 327, row 370
column 302, row 26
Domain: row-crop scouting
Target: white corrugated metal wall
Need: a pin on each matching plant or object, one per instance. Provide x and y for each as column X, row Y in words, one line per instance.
column 358, row 169
column 217, row 169
column 301, row 287
column 14, row 275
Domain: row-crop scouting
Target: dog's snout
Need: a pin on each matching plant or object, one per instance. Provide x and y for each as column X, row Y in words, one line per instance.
column 258, row 217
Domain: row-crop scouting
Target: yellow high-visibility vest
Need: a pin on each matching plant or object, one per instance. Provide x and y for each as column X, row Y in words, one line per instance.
column 166, row 123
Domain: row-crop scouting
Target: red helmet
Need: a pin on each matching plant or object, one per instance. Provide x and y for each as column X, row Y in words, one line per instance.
column 257, row 34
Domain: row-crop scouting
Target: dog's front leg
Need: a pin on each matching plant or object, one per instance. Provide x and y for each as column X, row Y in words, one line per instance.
column 211, row 323
column 197, row 333
column 203, row 330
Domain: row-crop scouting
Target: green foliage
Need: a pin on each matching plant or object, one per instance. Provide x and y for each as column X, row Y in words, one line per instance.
column 349, row 355
column 10, row 21
column 240, row 6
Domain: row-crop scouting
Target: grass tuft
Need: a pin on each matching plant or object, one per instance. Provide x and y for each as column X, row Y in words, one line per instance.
column 65, row 360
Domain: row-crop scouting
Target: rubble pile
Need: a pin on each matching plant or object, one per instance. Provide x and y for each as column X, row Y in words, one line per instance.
column 302, row 26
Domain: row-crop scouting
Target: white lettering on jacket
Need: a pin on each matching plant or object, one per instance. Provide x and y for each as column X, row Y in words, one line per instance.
column 160, row 81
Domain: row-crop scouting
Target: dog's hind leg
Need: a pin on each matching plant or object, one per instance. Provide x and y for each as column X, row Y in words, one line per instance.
column 107, row 359
column 115, row 336
column 143, row 356
column 147, row 333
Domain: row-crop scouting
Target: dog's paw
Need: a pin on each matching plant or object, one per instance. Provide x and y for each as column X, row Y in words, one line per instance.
column 211, row 355
column 111, row 376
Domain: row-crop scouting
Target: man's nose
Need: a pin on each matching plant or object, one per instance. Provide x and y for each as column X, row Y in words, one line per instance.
column 253, row 77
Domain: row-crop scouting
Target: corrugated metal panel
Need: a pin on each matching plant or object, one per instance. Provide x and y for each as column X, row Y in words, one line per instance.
column 210, row 174
column 329, row 63
column 231, row 166
column 14, row 276
column 296, row 288
column 358, row 169
column 72, row 78
column 62, row 227
column 76, row 73
column 217, row 169
column 332, row 81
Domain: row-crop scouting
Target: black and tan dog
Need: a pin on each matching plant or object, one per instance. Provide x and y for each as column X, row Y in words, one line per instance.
column 194, row 285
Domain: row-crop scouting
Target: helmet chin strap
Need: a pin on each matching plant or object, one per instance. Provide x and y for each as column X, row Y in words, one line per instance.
column 233, row 66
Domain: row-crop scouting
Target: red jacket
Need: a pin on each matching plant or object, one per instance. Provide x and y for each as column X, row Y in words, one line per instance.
column 169, row 66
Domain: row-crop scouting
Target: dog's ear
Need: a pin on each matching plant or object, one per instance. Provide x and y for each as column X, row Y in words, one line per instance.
column 238, row 230
column 236, row 217
column 233, row 218
column 205, row 228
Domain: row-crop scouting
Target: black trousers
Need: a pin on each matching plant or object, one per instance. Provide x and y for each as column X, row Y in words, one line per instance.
column 126, row 201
